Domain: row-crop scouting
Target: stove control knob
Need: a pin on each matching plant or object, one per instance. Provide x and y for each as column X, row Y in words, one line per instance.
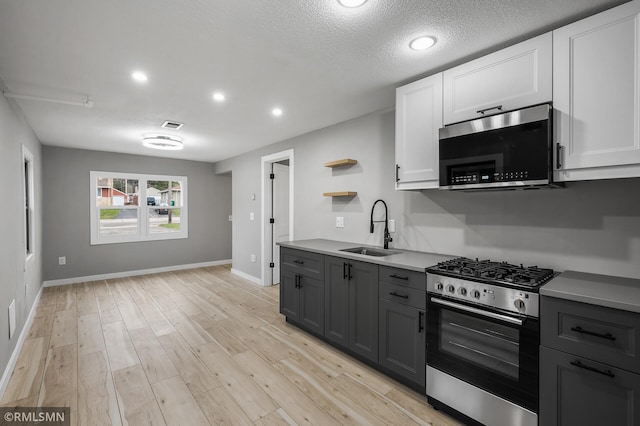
column 439, row 286
column 519, row 304
column 451, row 289
column 475, row 294
column 463, row 291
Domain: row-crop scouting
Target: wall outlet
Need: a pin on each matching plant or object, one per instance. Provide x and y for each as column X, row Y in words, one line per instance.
column 253, row 258
column 252, row 216
column 230, row 218
column 62, row 260
column 392, row 225
column 253, row 196
column 339, row 222
column 12, row 318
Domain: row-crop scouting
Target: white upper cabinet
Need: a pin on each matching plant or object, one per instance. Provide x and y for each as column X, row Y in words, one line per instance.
column 511, row 78
column 596, row 79
column 418, row 119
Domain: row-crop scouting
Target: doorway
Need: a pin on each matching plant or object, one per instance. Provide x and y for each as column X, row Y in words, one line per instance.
column 277, row 211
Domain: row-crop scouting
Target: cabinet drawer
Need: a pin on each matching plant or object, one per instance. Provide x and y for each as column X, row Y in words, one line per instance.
column 404, row 295
column 602, row 334
column 310, row 264
column 413, row 279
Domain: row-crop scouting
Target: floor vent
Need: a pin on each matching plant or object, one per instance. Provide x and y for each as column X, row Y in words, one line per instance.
column 172, row 125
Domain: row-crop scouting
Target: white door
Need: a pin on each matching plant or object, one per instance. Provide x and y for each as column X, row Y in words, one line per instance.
column 280, row 213
column 596, row 83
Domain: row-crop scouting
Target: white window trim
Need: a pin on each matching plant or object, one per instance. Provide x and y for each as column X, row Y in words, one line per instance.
column 142, row 208
column 27, row 156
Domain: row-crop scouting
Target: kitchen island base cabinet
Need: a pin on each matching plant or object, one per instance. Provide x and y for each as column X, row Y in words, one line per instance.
column 351, row 305
column 302, row 289
column 402, row 340
column 579, row 391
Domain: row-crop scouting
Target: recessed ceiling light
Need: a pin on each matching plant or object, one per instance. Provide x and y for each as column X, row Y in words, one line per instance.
column 165, row 142
column 219, row 97
column 422, row 43
column 352, row 3
column 139, row 76
column 277, row 112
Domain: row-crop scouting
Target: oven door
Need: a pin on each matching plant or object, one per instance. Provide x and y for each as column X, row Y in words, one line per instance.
column 493, row 351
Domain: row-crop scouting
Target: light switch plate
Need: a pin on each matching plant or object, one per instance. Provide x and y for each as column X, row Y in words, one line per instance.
column 339, row 222
column 252, row 216
column 392, row 225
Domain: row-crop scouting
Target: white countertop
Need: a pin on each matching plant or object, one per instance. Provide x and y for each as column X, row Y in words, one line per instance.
column 406, row 259
column 602, row 290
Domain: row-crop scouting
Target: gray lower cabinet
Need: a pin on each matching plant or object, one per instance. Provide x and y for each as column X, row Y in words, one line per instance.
column 589, row 370
column 402, row 340
column 302, row 289
column 578, row 391
column 351, row 305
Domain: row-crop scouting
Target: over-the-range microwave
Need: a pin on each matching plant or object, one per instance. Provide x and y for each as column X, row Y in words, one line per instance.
column 510, row 150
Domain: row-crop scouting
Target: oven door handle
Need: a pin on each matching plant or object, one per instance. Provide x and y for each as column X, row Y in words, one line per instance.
column 482, row 312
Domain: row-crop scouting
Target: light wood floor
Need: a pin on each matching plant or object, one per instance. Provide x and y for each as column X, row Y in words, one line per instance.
column 195, row 347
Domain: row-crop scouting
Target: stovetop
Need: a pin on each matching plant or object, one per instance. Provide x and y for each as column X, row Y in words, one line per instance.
column 497, row 273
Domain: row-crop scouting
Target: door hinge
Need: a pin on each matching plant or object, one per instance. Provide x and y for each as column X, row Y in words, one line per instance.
column 272, row 265
column 272, row 176
column 272, row 220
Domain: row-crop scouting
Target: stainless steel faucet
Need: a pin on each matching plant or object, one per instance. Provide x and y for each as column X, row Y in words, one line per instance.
column 387, row 235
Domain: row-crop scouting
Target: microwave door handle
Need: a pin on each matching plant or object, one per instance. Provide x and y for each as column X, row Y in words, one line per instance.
column 482, row 312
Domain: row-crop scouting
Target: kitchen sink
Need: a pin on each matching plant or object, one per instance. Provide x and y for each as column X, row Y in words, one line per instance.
column 368, row 251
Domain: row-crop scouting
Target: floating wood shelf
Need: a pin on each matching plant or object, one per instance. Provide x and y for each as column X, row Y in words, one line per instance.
column 341, row 163
column 341, row 194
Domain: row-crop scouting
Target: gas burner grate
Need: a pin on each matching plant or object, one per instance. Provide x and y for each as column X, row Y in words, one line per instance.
column 531, row 276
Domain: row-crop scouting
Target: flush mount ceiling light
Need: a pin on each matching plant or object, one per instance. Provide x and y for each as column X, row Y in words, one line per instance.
column 422, row 43
column 139, row 76
column 166, row 142
column 352, row 3
column 277, row 112
column 219, row 97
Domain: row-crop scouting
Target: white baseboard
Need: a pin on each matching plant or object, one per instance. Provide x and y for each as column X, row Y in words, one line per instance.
column 124, row 274
column 247, row 277
column 8, row 371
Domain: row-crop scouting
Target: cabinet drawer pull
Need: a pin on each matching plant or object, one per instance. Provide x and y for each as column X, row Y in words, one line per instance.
column 482, row 111
column 578, row 364
column 420, row 325
column 558, row 152
column 404, row 296
column 299, row 262
column 400, row 277
column 607, row 336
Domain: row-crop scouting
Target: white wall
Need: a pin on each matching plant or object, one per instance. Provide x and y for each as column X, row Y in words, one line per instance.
column 15, row 132
column 588, row 226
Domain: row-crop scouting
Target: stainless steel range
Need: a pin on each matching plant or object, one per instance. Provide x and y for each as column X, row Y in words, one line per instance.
column 483, row 338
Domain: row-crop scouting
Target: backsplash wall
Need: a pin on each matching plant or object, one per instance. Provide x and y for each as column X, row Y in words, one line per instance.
column 587, row 226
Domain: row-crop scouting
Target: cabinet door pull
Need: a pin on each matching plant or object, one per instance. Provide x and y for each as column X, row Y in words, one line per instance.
column 344, row 271
column 558, row 152
column 397, row 173
column 350, row 276
column 400, row 277
column 578, row 364
column 420, row 325
column 482, row 111
column 404, row 296
column 299, row 262
column 297, row 281
column 607, row 336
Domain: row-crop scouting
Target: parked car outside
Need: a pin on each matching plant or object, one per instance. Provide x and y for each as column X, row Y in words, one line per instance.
column 163, row 210
column 151, row 201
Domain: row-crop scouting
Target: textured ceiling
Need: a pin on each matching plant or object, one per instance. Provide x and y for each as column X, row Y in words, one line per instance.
column 320, row 62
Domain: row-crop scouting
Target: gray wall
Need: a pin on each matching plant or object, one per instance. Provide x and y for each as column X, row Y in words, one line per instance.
column 589, row 226
column 66, row 221
column 15, row 132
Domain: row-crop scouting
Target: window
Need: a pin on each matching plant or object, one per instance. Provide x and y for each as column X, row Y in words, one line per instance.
column 128, row 207
column 27, row 185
